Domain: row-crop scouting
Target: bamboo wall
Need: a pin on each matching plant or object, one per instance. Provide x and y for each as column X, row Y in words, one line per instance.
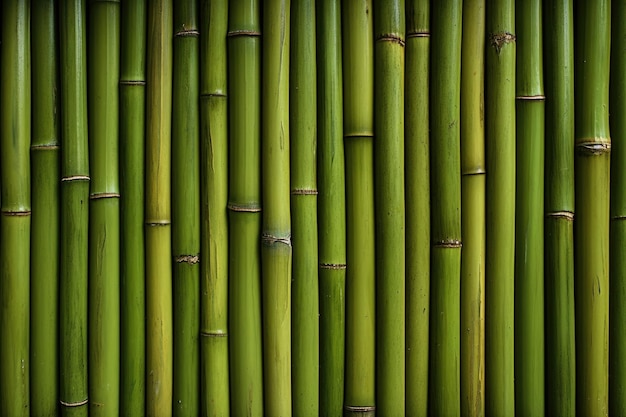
column 327, row 207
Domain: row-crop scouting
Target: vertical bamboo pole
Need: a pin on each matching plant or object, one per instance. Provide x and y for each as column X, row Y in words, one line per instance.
column 15, row 209
column 417, row 205
column 592, row 160
column 45, row 233
column 214, row 215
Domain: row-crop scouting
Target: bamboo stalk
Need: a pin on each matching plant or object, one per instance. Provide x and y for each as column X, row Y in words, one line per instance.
column 500, row 252
column 305, row 339
column 529, row 231
column 473, row 210
column 104, row 220
column 132, row 174
column 592, row 160
column 159, row 328
column 214, row 381
column 244, row 204
column 331, row 208
column 15, row 208
column 73, row 288
column 45, row 233
column 417, row 205
column 358, row 87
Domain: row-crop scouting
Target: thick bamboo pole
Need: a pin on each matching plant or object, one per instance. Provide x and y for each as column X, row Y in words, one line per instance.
column 132, row 174
column 159, row 321
column 45, row 233
column 73, row 289
column 104, row 215
column 473, row 210
column 305, row 340
column 358, row 88
column 15, row 208
column 214, row 215
column 417, row 204
column 593, row 144
column 500, row 255
column 331, row 208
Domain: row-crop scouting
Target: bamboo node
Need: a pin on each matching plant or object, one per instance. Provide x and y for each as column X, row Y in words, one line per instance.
column 96, row 196
column 76, row 178
column 567, row 215
column 158, row 223
column 539, row 97
column 619, row 217
column 448, row 243
column 188, row 259
column 16, row 213
column 187, row 33
column 332, row 266
column 498, row 40
column 593, row 148
column 243, row 32
column 132, row 82
column 269, row 239
column 209, row 95
column 303, row 191
column 45, row 147
column 245, row 209
column 418, row 34
column 359, row 408
column 390, row 37
column 76, row 404
column 474, row 171
column 213, row 334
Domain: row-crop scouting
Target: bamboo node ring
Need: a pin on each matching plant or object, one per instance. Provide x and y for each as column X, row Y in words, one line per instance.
column 391, row 37
column 97, row 196
column 359, row 408
column 76, row 404
column 245, row 209
column 593, row 148
column 132, row 82
column 243, row 32
column 213, row 334
column 418, row 34
column 448, row 243
column 567, row 215
column 269, row 239
column 76, row 178
column 187, row 33
column 303, row 191
column 332, row 266
column 16, row 213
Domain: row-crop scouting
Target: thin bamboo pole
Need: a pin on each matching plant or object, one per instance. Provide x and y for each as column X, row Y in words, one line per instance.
column 500, row 255
column 15, row 208
column 104, row 216
column 132, row 174
column 214, row 215
column 593, row 144
column 45, row 233
column 331, row 208
column 305, row 340
column 159, row 321
column 417, row 205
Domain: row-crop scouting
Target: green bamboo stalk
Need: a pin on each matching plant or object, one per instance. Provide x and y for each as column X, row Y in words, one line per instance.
column 132, row 174
column 214, row 215
column 305, row 340
column 331, row 208
column 45, row 233
column 104, row 216
column 417, row 194
column 617, row 119
column 244, row 204
column 390, row 217
column 473, row 210
column 592, row 160
column 358, row 79
column 445, row 348
column 15, row 209
column 186, row 210
column 500, row 252
column 73, row 288
column 159, row 328
column 529, row 263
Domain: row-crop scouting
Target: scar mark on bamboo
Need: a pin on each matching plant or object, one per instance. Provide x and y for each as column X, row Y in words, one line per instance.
column 187, row 259
column 187, row 33
column 498, row 40
column 213, row 334
column 132, row 82
column 593, row 148
column 447, row 243
column 76, row 404
column 418, row 34
column 76, row 178
column 96, row 196
column 234, row 33
column 243, row 208
column 567, row 215
column 303, row 191
column 359, row 408
column 269, row 239
column 332, row 266
column 45, row 147
column 538, row 97
column 390, row 37
column 16, row 213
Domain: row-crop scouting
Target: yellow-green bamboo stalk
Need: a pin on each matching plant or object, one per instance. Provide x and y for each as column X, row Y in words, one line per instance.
column 104, row 215
column 244, row 204
column 73, row 288
column 417, row 205
column 45, row 236
column 214, row 215
column 159, row 327
column 593, row 144
column 358, row 88
column 15, row 208
column 132, row 174
column 473, row 210
column 331, row 208
column 305, row 340
column 500, row 255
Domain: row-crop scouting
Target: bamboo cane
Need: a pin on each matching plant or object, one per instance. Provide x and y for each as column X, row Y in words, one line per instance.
column 529, row 285
column 214, row 216
column 186, row 210
column 417, row 205
column 592, row 160
column 159, row 327
column 244, row 204
column 331, row 208
column 473, row 210
column 358, row 87
column 104, row 220
column 500, row 255
column 15, row 208
column 132, row 174
column 45, row 179
column 73, row 289
column 305, row 292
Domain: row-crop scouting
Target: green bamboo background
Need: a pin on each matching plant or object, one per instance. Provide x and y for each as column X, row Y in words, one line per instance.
column 321, row 207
